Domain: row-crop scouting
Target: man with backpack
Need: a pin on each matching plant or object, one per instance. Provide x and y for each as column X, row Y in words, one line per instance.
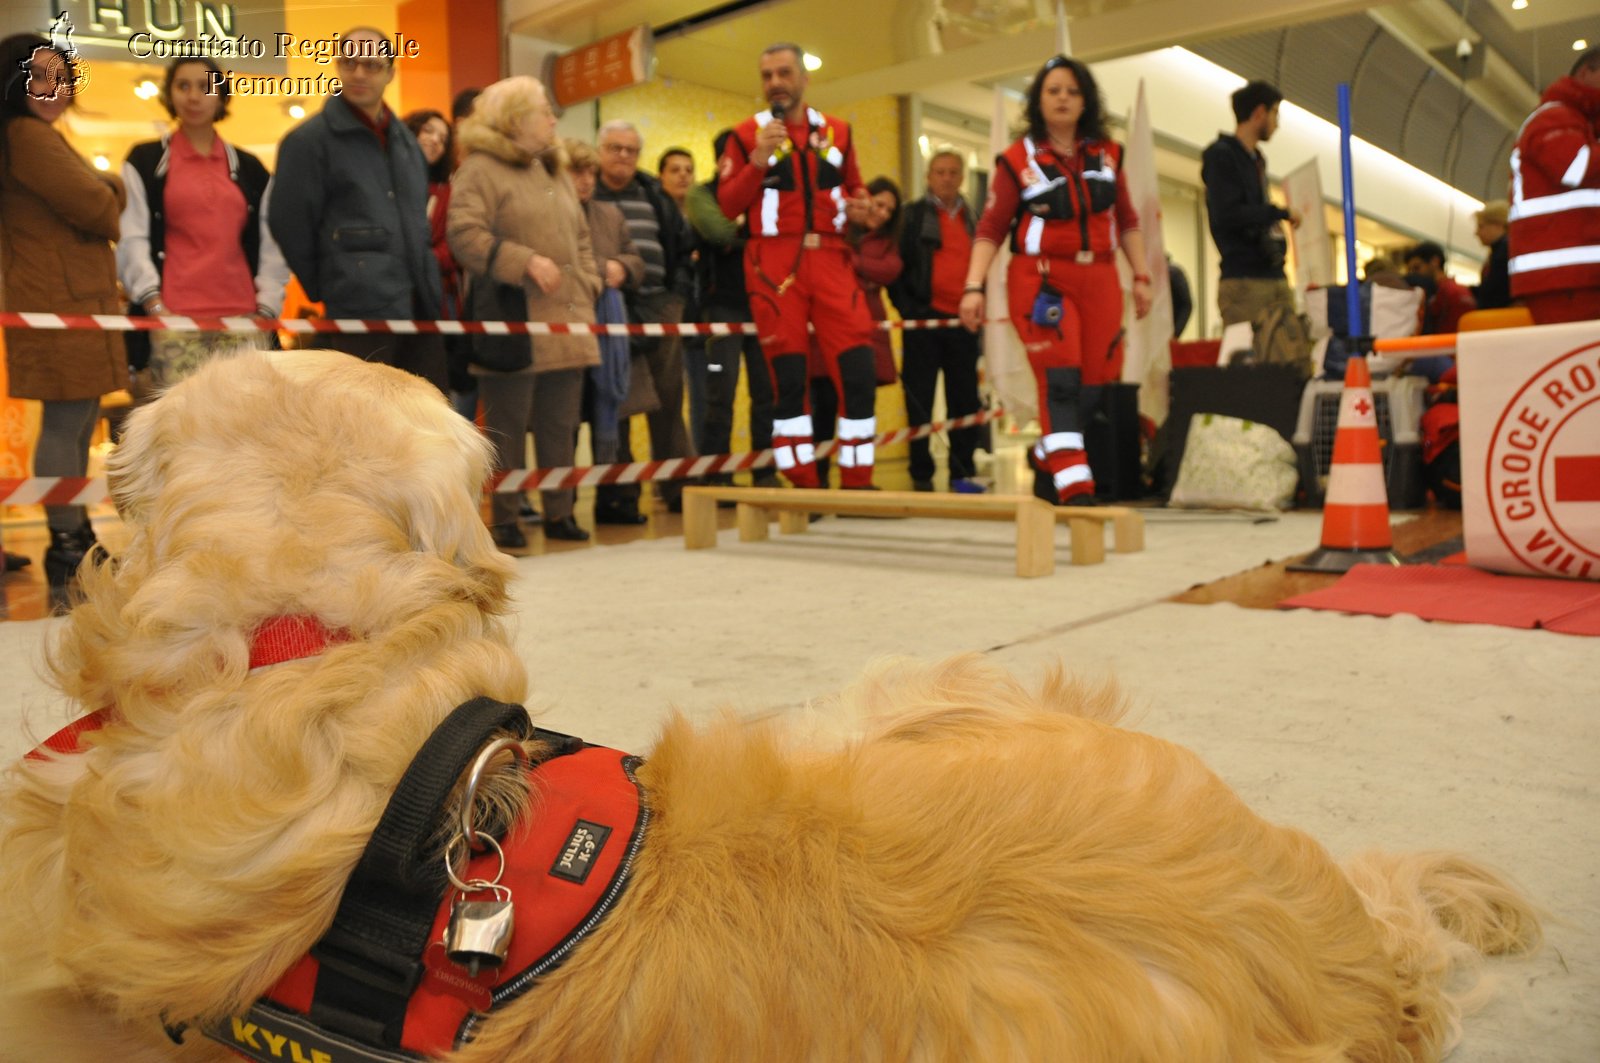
column 1248, row 230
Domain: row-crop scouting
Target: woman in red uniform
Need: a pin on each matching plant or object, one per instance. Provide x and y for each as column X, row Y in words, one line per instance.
column 1060, row 195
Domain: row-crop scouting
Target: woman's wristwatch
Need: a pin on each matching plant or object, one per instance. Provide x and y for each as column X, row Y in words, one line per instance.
column 971, row 288
column 1144, row 277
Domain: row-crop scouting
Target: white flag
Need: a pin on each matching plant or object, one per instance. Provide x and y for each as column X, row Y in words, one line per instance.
column 1149, row 356
column 1009, row 372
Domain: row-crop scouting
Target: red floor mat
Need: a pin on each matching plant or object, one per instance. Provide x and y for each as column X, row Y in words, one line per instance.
column 1463, row 595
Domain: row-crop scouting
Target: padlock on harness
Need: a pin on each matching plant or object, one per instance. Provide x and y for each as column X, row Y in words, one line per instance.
column 479, row 932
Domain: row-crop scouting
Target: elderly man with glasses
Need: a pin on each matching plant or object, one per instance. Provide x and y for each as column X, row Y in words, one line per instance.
column 349, row 210
column 663, row 239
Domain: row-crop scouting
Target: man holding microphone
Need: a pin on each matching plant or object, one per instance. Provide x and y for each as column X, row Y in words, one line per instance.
column 792, row 171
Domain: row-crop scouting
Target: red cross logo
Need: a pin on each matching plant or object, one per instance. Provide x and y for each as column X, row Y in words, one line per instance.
column 1362, row 406
column 1578, row 479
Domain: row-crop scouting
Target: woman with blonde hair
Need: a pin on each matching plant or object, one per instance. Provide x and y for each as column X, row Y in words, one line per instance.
column 515, row 220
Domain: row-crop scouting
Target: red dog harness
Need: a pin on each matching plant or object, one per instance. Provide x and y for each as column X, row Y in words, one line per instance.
column 354, row 998
column 566, row 866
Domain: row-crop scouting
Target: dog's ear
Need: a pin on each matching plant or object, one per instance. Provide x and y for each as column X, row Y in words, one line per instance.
column 136, row 468
column 441, row 494
column 444, row 513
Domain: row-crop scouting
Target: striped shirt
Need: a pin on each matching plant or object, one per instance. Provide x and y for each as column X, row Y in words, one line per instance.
column 645, row 230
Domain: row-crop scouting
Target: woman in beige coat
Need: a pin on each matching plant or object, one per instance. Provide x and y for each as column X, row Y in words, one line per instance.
column 512, row 191
column 58, row 217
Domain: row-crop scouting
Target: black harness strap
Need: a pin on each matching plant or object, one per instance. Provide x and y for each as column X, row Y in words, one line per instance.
column 370, row 960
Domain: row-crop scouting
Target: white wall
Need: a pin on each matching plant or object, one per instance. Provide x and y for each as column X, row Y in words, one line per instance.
column 526, row 55
column 1188, row 99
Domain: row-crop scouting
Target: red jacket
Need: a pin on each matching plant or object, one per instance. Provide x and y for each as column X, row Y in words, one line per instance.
column 797, row 192
column 1059, row 207
column 1555, row 193
column 1450, row 300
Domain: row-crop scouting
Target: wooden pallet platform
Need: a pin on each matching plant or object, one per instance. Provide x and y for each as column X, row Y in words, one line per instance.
column 1035, row 520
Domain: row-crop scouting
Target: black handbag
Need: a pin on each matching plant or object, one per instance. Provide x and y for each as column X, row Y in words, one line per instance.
column 489, row 300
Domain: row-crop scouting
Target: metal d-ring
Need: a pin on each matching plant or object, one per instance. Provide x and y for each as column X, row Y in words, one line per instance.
column 473, row 885
column 469, row 829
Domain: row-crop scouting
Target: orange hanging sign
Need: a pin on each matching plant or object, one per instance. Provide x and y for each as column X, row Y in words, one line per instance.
column 611, row 63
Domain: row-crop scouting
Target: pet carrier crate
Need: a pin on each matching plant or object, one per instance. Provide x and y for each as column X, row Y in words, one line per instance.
column 1399, row 403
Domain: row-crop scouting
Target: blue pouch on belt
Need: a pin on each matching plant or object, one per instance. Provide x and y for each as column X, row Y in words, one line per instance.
column 1047, row 307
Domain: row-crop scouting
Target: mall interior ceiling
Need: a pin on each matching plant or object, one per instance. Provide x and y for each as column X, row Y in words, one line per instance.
column 1450, row 108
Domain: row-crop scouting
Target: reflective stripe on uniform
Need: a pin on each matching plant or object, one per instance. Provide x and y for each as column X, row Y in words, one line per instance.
column 1061, row 441
column 793, row 426
column 769, row 212
column 1580, row 166
column 1072, row 474
column 1539, row 206
column 1033, row 235
column 1586, row 255
column 857, row 428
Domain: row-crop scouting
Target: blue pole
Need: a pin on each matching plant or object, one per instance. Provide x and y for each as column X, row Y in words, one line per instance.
column 1352, row 289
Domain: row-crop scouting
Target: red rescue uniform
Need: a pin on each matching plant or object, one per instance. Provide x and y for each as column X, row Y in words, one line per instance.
column 1555, row 206
column 1064, row 218
column 798, row 272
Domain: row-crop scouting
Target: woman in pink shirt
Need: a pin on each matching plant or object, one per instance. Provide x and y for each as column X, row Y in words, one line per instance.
column 184, row 192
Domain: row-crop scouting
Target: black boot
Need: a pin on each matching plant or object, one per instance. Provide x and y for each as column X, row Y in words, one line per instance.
column 66, row 552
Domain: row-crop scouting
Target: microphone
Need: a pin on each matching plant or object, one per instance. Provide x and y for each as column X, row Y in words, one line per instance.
column 778, row 111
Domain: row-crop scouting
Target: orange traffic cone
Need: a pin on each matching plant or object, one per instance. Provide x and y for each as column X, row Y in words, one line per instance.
column 1355, row 514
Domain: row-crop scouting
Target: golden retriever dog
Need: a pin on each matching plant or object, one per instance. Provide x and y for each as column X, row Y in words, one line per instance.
column 986, row 872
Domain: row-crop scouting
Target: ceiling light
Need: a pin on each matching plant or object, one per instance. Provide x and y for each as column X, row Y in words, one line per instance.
column 296, row 111
column 1579, row 45
column 1518, row 5
column 102, row 163
column 146, row 90
column 812, row 62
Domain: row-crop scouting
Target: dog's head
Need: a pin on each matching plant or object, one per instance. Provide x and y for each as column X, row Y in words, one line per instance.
column 303, row 483
column 306, row 481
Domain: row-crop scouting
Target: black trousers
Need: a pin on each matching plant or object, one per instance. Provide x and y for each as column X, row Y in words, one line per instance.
column 926, row 354
column 723, row 355
column 421, row 355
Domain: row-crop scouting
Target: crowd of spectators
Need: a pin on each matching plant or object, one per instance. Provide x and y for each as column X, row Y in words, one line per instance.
column 426, row 216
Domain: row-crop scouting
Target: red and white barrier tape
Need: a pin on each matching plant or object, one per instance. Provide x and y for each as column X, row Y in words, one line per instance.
column 89, row 491
column 310, row 326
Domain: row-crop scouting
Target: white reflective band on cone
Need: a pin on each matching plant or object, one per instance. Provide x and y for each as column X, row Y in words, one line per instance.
column 1073, row 474
column 806, row 453
column 1356, row 485
column 793, row 426
column 783, row 457
column 864, row 454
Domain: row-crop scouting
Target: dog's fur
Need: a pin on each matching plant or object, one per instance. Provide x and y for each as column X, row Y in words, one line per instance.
column 988, row 873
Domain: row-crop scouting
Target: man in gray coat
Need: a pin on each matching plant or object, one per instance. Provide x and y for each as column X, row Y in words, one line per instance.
column 349, row 211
